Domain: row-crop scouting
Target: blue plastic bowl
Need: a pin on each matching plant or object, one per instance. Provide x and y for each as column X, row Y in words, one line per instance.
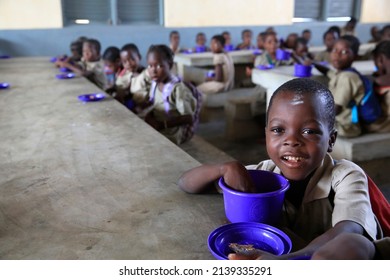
column 65, row 76
column 302, row 71
column 264, row 206
column 282, row 54
column 261, row 236
column 229, row 48
column 4, row 85
column 265, row 67
column 65, row 70
column 200, row 49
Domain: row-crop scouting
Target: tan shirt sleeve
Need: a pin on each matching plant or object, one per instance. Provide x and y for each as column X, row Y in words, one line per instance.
column 183, row 99
column 218, row 59
column 345, row 87
column 140, row 86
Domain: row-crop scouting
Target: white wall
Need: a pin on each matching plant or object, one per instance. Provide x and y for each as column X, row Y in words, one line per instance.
column 375, row 11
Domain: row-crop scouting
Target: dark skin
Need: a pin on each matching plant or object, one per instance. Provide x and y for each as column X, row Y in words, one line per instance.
column 216, row 47
column 297, row 137
column 159, row 71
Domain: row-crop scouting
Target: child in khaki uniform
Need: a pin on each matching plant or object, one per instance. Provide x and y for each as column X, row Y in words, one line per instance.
column 329, row 38
column 299, row 135
column 91, row 65
column 346, row 85
column 223, row 69
column 169, row 106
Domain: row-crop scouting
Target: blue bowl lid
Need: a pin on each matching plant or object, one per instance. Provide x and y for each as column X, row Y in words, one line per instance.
column 261, row 236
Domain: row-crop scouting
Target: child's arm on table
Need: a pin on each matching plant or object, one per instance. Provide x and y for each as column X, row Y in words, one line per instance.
column 202, row 178
column 313, row 246
column 72, row 67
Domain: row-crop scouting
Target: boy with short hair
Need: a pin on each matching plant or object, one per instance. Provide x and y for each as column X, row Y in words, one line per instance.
column 300, row 134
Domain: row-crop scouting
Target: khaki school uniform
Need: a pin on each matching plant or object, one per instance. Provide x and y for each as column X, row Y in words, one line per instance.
column 123, row 79
column 346, row 86
column 382, row 125
column 97, row 69
column 227, row 83
column 322, row 56
column 315, row 216
column 265, row 59
column 140, row 86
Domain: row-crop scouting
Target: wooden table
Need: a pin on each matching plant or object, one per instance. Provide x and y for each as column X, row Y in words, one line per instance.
column 273, row 78
column 90, row 180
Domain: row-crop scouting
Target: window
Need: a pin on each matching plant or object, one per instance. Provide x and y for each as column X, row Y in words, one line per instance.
column 326, row 10
column 112, row 11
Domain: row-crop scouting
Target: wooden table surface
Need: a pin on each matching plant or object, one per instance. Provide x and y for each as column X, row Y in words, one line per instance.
column 90, row 180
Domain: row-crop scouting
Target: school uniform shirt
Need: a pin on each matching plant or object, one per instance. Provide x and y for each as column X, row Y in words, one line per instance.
column 322, row 56
column 211, row 87
column 181, row 102
column 315, row 215
column 382, row 125
column 97, row 68
column 265, row 59
column 140, row 86
column 346, row 87
column 123, row 79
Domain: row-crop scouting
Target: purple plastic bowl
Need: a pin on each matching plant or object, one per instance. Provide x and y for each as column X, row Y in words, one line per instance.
column 4, row 85
column 65, row 70
column 53, row 59
column 65, row 76
column 265, row 67
column 257, row 52
column 302, row 70
column 229, row 48
column 91, row 97
column 5, row 56
column 200, row 49
column 264, row 206
column 282, row 54
column 210, row 74
column 261, row 236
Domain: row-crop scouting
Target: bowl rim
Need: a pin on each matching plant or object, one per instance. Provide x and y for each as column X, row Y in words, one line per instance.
column 284, row 188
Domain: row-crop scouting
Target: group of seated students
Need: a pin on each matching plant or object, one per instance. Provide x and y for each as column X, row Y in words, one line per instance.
column 172, row 106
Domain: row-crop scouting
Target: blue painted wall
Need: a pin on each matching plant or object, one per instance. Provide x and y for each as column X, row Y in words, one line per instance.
column 51, row 42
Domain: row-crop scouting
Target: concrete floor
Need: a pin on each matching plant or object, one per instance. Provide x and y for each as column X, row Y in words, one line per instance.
column 248, row 151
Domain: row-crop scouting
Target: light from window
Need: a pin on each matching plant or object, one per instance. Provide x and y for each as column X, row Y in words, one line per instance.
column 82, row 21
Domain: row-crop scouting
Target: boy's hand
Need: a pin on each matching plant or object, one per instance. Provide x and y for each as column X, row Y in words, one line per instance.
column 237, row 177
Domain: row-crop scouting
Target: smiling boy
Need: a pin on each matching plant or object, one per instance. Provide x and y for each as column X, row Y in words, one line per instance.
column 300, row 134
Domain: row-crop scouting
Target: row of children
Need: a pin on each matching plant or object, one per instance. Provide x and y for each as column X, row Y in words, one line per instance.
column 155, row 94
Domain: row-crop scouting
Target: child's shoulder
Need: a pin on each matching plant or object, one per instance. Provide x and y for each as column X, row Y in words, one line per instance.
column 345, row 167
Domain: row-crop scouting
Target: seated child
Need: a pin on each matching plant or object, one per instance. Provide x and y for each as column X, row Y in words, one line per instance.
column 169, row 106
column 346, row 86
column 300, row 134
column 290, row 41
column 91, row 65
column 329, row 38
column 112, row 67
column 223, row 69
column 246, row 44
column 381, row 55
column 306, row 34
column 228, row 41
column 201, row 43
column 76, row 50
column 261, row 40
column 130, row 58
column 385, row 33
column 174, row 41
column 301, row 53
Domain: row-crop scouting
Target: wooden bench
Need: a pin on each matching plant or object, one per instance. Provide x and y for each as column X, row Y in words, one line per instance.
column 369, row 151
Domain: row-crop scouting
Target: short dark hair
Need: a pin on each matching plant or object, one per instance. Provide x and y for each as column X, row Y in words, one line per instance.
column 78, row 46
column 173, row 32
column 245, row 31
column 300, row 41
column 95, row 43
column 331, row 31
column 382, row 48
column 225, row 33
column 306, row 86
column 164, row 51
column 336, row 29
column 306, row 31
column 131, row 48
column 111, row 54
column 220, row 39
column 353, row 43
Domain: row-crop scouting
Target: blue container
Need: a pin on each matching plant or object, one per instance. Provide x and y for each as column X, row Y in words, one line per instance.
column 200, row 49
column 260, row 236
column 302, row 71
column 282, row 54
column 229, row 48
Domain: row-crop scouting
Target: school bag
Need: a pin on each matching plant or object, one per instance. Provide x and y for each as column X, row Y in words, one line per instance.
column 379, row 205
column 369, row 108
column 189, row 129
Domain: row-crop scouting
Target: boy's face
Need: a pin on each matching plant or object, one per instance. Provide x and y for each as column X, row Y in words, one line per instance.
column 260, row 42
column 301, row 50
column 330, row 39
column 129, row 60
column 89, row 52
column 228, row 39
column 200, row 40
column 341, row 56
column 175, row 39
column 297, row 134
column 215, row 46
column 380, row 62
column 247, row 38
column 159, row 69
column 271, row 44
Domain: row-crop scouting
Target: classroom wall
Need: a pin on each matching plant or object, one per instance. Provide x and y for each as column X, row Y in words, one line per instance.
column 30, row 14
column 179, row 13
column 32, row 39
column 375, row 11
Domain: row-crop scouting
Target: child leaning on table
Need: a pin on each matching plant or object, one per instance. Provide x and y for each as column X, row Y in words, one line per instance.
column 91, row 65
column 345, row 84
column 300, row 134
column 223, row 79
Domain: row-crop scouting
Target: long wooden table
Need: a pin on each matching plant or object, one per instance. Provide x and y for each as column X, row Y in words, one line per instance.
column 273, row 78
column 90, row 180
